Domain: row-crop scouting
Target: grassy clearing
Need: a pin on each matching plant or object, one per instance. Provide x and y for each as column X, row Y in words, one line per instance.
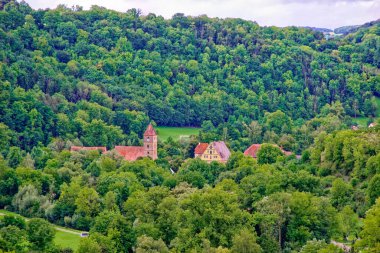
column 4, row 212
column 66, row 239
column 361, row 121
column 175, row 132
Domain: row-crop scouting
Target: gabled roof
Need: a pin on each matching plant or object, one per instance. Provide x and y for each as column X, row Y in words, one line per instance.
column 150, row 131
column 200, row 148
column 79, row 148
column 130, row 153
column 222, row 149
column 252, row 150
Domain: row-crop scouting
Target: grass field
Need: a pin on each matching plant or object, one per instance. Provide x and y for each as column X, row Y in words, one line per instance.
column 66, row 239
column 175, row 132
column 363, row 121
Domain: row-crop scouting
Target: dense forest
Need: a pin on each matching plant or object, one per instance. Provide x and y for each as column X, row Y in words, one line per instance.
column 97, row 77
column 66, row 72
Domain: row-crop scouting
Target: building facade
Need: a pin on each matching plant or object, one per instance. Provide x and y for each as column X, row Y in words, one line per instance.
column 214, row 151
column 132, row 153
column 150, row 143
column 149, row 149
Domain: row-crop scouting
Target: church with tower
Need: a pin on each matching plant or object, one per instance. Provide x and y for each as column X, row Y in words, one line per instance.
column 131, row 153
column 149, row 149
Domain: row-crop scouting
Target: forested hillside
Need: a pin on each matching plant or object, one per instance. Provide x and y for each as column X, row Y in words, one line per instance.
column 99, row 77
column 65, row 72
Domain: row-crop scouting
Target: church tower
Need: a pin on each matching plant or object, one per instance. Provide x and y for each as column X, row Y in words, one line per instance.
column 150, row 142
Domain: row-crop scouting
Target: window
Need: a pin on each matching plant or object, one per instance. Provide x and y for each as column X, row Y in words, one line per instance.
column 148, row 139
column 148, row 152
column 147, row 146
column 206, row 156
column 210, row 151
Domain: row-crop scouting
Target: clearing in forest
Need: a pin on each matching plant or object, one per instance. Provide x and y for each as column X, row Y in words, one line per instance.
column 176, row 132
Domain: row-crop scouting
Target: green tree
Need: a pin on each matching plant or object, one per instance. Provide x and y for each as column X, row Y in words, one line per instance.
column 268, row 153
column 89, row 245
column 273, row 212
column 370, row 235
column 374, row 189
column 13, row 220
column 245, row 242
column 349, row 222
column 88, row 202
column 341, row 193
column 14, row 157
column 320, row 246
column 278, row 122
column 29, row 202
column 13, row 238
column 40, row 233
column 5, row 138
column 147, row 244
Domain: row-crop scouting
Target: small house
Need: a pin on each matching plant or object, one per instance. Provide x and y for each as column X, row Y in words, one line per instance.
column 214, row 151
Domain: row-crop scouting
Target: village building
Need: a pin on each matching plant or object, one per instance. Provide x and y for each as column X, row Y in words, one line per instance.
column 149, row 149
column 373, row 124
column 131, row 153
column 215, row 151
column 254, row 148
column 80, row 148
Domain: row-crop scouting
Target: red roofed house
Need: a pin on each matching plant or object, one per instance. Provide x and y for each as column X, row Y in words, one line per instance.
column 200, row 149
column 215, row 151
column 131, row 153
column 79, row 148
column 254, row 148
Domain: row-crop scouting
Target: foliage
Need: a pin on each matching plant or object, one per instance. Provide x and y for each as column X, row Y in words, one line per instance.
column 370, row 235
column 70, row 76
column 40, row 233
column 99, row 76
column 268, row 154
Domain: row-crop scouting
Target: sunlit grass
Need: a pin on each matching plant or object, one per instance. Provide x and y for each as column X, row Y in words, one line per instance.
column 67, row 240
column 175, row 132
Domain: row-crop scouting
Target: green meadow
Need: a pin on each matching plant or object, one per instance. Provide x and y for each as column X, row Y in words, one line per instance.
column 67, row 240
column 175, row 132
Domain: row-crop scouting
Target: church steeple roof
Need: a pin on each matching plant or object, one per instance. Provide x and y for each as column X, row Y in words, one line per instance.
column 150, row 131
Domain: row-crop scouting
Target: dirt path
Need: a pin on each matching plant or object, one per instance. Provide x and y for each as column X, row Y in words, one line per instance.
column 342, row 246
column 67, row 230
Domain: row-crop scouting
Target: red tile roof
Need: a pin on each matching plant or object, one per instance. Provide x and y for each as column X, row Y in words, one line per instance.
column 200, row 148
column 254, row 148
column 130, row 153
column 150, row 131
column 79, row 148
